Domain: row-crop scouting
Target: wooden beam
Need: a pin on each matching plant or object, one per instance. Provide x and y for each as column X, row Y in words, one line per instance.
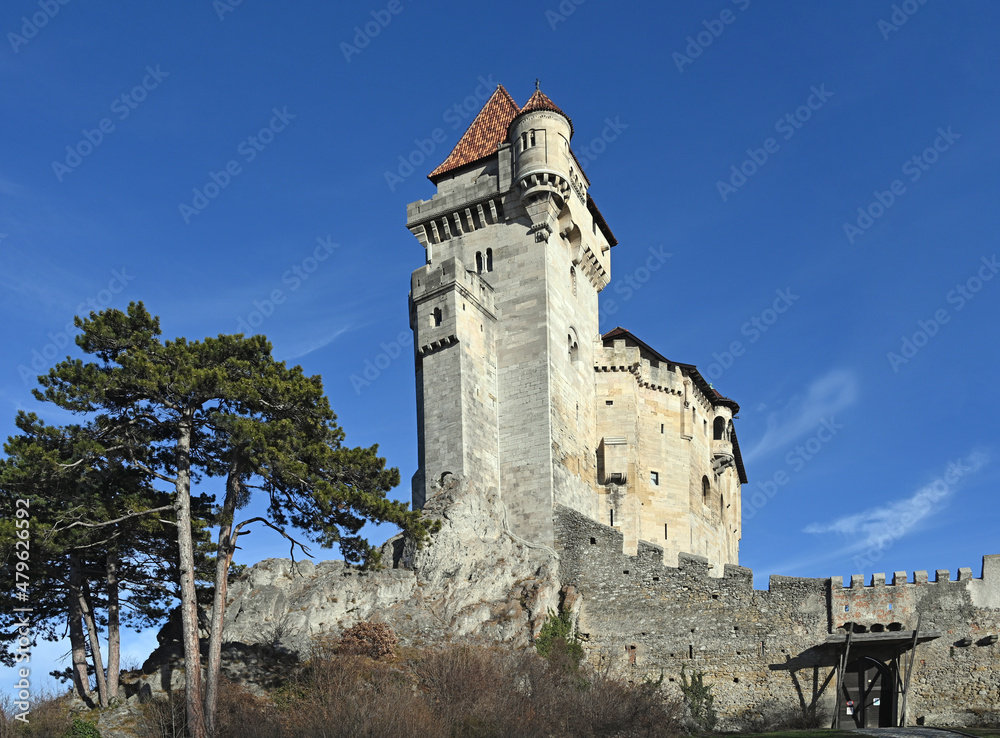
column 909, row 672
column 840, row 674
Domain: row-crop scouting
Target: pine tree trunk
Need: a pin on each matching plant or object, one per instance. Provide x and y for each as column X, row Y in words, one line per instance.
column 78, row 648
column 114, row 625
column 189, row 601
column 87, row 609
column 224, row 557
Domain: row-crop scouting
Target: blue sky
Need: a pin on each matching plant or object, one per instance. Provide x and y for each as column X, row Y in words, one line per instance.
column 822, row 176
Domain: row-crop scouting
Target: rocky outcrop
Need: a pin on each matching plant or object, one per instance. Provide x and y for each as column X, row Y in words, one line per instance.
column 474, row 580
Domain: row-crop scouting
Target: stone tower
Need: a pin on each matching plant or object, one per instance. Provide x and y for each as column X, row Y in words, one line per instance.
column 507, row 342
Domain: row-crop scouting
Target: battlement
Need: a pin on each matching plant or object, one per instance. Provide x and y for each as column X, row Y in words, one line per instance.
column 451, row 273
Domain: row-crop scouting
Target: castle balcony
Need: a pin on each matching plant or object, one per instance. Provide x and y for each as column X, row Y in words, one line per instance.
column 722, row 448
column 722, row 455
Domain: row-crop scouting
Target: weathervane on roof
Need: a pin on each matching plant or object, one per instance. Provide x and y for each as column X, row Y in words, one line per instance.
column 537, row 83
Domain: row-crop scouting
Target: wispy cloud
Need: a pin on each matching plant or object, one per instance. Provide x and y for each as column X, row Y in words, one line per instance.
column 824, row 397
column 878, row 526
column 306, row 348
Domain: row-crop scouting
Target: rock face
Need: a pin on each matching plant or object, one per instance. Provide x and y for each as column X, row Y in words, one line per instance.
column 474, row 580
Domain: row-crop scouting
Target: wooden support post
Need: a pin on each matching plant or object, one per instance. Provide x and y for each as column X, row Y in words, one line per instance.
column 909, row 672
column 840, row 673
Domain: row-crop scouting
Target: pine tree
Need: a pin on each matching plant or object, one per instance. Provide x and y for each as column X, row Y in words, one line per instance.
column 176, row 410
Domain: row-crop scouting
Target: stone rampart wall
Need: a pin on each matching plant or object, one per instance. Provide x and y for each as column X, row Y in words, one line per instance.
column 766, row 651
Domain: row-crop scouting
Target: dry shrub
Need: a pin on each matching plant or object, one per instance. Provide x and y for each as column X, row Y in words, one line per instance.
column 162, row 717
column 480, row 692
column 374, row 640
column 47, row 717
column 456, row 691
column 353, row 695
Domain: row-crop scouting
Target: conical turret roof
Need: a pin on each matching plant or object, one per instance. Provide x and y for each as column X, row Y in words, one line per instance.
column 487, row 131
column 540, row 101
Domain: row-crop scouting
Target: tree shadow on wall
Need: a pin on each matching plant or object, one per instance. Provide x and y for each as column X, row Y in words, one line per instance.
column 811, row 674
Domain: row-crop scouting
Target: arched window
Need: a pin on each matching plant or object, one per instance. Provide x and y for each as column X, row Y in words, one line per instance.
column 489, row 260
column 479, row 262
column 719, row 429
column 572, row 278
column 436, row 317
column 706, row 488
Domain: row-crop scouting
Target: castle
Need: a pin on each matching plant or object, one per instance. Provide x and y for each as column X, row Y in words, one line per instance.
column 588, row 472
column 518, row 391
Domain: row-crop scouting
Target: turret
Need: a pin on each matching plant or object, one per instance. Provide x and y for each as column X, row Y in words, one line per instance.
column 543, row 164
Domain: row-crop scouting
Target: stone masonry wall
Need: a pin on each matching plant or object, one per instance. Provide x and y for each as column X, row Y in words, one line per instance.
column 765, row 651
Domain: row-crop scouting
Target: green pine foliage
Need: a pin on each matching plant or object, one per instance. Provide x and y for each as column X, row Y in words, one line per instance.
column 557, row 641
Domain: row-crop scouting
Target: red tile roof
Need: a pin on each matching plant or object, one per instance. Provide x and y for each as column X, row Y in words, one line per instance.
column 540, row 101
column 487, row 131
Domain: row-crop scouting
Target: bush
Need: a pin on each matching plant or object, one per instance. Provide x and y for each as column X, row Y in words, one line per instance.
column 49, row 717
column 454, row 691
column 82, row 729
column 374, row 640
column 557, row 642
column 699, row 699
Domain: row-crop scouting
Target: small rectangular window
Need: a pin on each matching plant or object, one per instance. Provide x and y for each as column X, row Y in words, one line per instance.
column 665, row 536
column 661, row 427
column 609, row 402
column 654, row 477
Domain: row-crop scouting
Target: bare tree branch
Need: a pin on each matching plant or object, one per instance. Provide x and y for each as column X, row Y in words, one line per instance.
column 238, row 531
column 56, row 529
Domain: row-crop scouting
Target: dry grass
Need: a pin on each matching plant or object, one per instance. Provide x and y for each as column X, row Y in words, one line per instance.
column 456, row 691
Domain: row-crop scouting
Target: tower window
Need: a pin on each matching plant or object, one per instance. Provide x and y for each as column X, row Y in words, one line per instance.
column 436, row 316
column 654, row 477
column 479, row 262
column 706, row 488
column 612, row 518
column 665, row 536
column 572, row 279
column 661, row 427
column 719, row 429
column 489, row 260
column 722, row 507
column 574, row 346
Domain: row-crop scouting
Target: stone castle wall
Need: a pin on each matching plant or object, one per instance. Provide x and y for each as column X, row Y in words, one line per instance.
column 766, row 652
